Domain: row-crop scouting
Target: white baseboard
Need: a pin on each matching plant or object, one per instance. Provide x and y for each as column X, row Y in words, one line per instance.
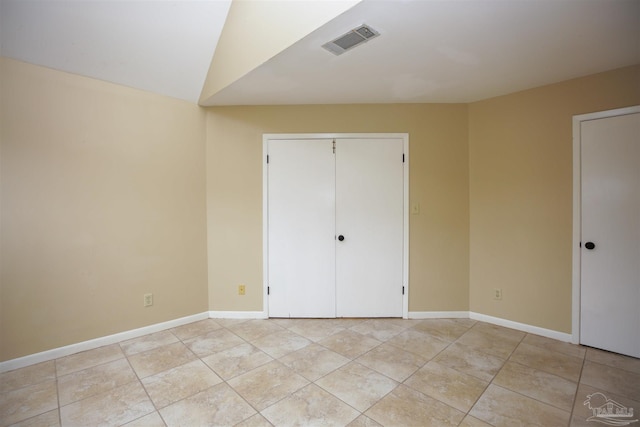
column 560, row 336
column 438, row 315
column 56, row 353
column 238, row 315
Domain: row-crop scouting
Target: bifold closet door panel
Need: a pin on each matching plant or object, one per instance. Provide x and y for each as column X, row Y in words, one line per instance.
column 370, row 218
column 301, row 228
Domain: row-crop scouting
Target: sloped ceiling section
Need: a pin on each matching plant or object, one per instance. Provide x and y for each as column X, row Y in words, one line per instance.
column 447, row 51
column 258, row 30
column 163, row 47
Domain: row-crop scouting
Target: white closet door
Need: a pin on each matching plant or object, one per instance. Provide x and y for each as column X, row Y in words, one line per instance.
column 610, row 254
column 301, row 221
column 369, row 215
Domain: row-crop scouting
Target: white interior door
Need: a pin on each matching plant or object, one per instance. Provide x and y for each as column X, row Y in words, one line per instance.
column 301, row 228
column 610, row 235
column 369, row 216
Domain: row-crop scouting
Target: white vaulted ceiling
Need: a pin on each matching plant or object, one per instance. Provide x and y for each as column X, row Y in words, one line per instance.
column 159, row 46
column 428, row 50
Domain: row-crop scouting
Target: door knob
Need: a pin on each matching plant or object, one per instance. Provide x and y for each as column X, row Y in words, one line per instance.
column 341, row 237
column 589, row 245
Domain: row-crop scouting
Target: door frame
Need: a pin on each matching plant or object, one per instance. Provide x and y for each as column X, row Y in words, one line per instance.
column 265, row 200
column 577, row 209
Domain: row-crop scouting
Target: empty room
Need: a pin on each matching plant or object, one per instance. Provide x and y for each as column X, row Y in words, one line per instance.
column 319, row 213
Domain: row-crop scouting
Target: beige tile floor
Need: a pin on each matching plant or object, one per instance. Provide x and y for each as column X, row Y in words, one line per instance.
column 310, row 372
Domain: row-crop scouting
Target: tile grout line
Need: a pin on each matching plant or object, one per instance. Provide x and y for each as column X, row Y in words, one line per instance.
column 350, row 360
column 468, row 413
column 225, row 381
column 530, row 367
column 575, row 396
column 145, row 391
column 353, row 360
column 58, row 396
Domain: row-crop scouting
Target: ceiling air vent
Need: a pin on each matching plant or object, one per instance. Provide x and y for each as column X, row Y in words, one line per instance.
column 353, row 38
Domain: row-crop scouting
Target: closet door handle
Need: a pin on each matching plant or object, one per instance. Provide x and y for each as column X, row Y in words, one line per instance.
column 341, row 237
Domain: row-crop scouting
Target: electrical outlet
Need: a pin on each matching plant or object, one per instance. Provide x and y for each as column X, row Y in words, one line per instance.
column 241, row 289
column 148, row 300
column 497, row 294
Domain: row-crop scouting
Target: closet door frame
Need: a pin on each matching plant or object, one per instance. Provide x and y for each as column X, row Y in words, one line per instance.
column 265, row 199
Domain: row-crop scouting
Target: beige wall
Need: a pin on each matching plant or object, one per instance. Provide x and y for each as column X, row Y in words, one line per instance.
column 103, row 200
column 520, row 157
column 438, row 135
